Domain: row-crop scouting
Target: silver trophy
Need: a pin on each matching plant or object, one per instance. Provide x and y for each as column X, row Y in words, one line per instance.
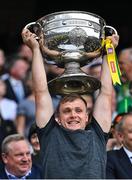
column 71, row 39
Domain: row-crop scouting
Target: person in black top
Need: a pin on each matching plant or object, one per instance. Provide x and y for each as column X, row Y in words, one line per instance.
column 69, row 147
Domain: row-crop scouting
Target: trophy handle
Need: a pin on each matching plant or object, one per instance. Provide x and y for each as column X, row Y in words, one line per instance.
column 115, row 31
column 35, row 28
column 109, row 30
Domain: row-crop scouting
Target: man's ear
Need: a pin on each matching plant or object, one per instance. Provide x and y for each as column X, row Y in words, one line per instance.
column 57, row 120
column 88, row 118
column 120, row 134
column 4, row 157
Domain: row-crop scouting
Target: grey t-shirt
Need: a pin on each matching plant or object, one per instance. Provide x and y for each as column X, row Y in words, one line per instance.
column 67, row 154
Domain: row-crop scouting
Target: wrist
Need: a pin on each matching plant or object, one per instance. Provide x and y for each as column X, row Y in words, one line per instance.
column 104, row 53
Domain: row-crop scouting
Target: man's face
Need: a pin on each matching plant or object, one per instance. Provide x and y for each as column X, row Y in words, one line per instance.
column 127, row 133
column 20, row 69
column 125, row 63
column 73, row 115
column 18, row 159
column 35, row 142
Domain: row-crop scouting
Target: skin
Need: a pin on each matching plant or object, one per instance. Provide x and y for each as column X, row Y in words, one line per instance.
column 125, row 63
column 44, row 105
column 2, row 89
column 35, row 142
column 21, row 119
column 18, row 159
column 25, row 51
column 19, row 69
column 2, row 58
column 126, row 134
column 73, row 115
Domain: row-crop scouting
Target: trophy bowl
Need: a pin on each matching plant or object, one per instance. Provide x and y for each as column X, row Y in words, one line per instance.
column 71, row 37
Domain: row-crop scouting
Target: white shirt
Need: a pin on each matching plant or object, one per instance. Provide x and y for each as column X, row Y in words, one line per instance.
column 8, row 109
column 11, row 176
column 18, row 88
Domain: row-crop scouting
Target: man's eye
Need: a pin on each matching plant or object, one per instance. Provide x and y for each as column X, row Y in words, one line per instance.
column 78, row 110
column 66, row 111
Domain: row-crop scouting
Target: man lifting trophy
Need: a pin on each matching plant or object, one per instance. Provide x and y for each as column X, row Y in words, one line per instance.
column 73, row 142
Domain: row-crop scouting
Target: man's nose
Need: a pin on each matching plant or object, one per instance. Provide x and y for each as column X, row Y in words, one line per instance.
column 25, row 157
column 37, row 140
column 73, row 113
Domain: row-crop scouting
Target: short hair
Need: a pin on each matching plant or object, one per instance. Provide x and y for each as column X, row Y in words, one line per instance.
column 117, row 119
column 32, row 130
column 119, row 125
column 69, row 98
column 11, row 138
column 125, row 50
column 12, row 59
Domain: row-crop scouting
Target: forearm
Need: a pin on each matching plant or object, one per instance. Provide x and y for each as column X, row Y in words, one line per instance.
column 106, row 81
column 44, row 105
column 102, row 107
column 38, row 72
column 43, row 101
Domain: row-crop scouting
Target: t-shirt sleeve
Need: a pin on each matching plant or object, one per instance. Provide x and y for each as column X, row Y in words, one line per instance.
column 49, row 126
column 98, row 129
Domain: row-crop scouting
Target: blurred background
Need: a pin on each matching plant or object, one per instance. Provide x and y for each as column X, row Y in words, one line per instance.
column 15, row 14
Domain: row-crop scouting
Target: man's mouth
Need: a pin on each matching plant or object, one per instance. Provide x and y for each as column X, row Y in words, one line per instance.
column 73, row 122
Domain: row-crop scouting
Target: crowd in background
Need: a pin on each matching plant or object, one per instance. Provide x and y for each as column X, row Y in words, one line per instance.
column 17, row 101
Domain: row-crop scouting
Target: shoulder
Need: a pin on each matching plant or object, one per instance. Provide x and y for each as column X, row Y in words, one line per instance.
column 2, row 171
column 36, row 172
column 97, row 128
column 7, row 101
column 114, row 154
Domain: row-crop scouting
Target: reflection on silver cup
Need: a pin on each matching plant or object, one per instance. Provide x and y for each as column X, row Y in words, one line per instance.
column 71, row 39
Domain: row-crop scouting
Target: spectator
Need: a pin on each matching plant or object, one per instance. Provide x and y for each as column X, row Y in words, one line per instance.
column 10, row 112
column 70, row 148
column 25, row 51
column 17, row 160
column 26, row 110
column 2, row 62
column 119, row 162
column 16, row 89
column 125, row 62
column 114, row 141
column 34, row 141
column 124, row 99
column 6, row 128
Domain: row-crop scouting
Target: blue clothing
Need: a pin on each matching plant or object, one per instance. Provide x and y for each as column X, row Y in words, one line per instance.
column 26, row 108
column 118, row 165
column 35, row 173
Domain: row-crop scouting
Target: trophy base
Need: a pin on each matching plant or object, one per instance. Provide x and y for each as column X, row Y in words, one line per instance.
column 74, row 83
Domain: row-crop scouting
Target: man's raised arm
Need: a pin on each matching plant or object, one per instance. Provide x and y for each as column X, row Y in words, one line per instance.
column 44, row 106
column 102, row 109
